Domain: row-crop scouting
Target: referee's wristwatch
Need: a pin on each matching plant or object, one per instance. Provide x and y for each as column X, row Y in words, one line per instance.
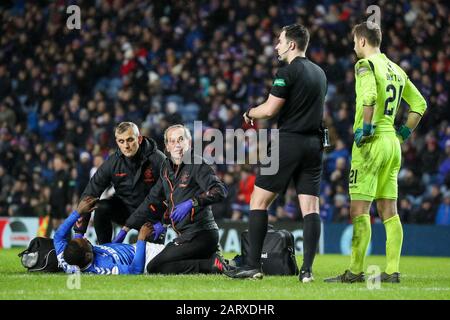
column 247, row 113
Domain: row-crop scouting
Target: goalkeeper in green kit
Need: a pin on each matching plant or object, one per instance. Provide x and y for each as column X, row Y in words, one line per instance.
column 380, row 85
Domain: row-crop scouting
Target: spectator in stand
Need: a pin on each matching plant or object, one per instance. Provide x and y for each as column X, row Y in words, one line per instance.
column 443, row 213
column 241, row 207
column 135, row 57
column 60, row 193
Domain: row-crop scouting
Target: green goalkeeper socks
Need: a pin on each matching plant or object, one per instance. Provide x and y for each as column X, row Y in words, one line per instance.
column 394, row 240
column 361, row 237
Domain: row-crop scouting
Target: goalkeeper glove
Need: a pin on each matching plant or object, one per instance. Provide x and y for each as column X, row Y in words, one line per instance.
column 403, row 133
column 364, row 134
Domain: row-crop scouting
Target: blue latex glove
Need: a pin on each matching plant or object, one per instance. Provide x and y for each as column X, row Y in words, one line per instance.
column 364, row 134
column 120, row 236
column 158, row 230
column 403, row 133
column 181, row 210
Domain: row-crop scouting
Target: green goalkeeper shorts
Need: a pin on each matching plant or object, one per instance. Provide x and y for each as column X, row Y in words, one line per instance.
column 375, row 167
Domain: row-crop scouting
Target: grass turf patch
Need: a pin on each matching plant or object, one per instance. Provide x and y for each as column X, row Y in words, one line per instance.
column 422, row 278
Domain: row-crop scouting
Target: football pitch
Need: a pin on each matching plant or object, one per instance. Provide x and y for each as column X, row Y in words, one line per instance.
column 422, row 278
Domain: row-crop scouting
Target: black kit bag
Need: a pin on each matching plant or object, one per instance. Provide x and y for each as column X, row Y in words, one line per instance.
column 40, row 256
column 278, row 253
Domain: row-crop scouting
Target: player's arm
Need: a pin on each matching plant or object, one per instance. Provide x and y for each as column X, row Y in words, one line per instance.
column 151, row 209
column 85, row 206
column 59, row 239
column 368, row 94
column 268, row 109
column 417, row 106
column 276, row 99
column 138, row 264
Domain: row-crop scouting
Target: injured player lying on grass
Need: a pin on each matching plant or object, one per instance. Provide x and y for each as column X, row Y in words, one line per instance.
column 79, row 255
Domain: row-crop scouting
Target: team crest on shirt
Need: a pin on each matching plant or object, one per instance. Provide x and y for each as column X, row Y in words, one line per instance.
column 148, row 175
column 184, row 179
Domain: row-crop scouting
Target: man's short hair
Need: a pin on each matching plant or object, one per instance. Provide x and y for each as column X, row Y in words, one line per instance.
column 124, row 126
column 369, row 30
column 299, row 34
column 187, row 133
column 74, row 254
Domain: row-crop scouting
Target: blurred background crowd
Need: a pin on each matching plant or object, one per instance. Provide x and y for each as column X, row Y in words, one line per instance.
column 157, row 63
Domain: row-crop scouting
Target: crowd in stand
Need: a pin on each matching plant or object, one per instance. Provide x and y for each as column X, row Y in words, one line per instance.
column 157, row 63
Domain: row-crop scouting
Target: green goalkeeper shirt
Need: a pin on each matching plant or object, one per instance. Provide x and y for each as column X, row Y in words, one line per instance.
column 381, row 83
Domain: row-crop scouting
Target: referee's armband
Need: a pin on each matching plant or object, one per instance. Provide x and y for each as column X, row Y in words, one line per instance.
column 280, row 84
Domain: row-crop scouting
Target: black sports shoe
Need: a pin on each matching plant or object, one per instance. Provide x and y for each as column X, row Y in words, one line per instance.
column 390, row 278
column 305, row 276
column 220, row 264
column 244, row 272
column 347, row 277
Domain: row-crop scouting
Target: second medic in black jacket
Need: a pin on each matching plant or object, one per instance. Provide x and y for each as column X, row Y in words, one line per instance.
column 188, row 186
column 133, row 171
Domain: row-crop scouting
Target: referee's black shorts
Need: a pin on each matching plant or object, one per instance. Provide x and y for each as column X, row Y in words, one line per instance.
column 300, row 159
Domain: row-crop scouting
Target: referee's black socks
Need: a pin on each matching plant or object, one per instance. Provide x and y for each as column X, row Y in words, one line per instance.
column 257, row 230
column 311, row 236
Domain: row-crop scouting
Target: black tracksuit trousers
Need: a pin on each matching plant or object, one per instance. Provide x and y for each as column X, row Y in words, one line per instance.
column 194, row 255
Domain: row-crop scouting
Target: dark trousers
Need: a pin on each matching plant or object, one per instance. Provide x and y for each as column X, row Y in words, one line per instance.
column 107, row 212
column 188, row 256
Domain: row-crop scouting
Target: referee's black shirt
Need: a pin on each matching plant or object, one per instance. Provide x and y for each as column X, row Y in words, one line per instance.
column 303, row 84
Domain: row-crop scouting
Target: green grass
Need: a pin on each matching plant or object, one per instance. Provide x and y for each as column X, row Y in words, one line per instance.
column 422, row 278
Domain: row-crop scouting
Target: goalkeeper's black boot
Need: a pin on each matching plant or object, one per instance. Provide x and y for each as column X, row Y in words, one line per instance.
column 305, row 276
column 347, row 277
column 244, row 272
column 390, row 278
column 220, row 264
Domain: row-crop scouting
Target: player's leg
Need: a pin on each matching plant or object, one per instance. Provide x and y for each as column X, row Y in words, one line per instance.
column 307, row 183
column 386, row 196
column 363, row 181
column 394, row 238
column 257, row 230
column 266, row 189
column 258, row 221
column 311, row 234
column 362, row 232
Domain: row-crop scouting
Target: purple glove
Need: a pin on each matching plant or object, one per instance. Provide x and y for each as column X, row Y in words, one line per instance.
column 181, row 210
column 120, row 236
column 78, row 236
column 158, row 229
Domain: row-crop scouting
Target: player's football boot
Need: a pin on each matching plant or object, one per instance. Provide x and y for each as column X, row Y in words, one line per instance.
column 220, row 264
column 305, row 276
column 390, row 278
column 347, row 277
column 244, row 272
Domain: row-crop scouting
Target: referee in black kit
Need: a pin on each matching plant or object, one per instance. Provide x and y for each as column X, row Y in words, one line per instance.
column 297, row 95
